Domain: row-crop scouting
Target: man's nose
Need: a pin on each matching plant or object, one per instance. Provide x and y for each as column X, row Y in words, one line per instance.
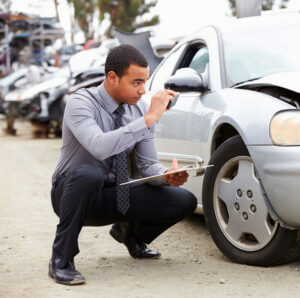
column 142, row 89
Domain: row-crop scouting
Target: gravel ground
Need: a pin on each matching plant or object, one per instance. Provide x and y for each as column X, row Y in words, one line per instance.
column 191, row 265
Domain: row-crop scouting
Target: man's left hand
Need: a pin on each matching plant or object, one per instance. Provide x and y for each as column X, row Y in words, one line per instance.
column 176, row 179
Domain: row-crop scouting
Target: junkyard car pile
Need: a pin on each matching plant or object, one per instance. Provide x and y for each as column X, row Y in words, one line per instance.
column 238, row 110
column 38, row 92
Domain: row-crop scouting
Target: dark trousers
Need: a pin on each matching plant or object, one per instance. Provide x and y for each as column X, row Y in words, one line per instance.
column 83, row 199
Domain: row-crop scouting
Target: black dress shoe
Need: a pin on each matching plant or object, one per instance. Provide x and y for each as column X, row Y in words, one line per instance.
column 136, row 248
column 146, row 253
column 67, row 275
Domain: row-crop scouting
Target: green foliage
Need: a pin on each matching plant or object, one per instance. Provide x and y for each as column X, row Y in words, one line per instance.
column 83, row 13
column 124, row 13
column 266, row 5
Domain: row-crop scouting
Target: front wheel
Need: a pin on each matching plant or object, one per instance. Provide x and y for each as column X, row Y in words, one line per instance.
column 236, row 214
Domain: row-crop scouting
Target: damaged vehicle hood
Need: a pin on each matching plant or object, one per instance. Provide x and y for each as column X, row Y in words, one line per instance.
column 286, row 80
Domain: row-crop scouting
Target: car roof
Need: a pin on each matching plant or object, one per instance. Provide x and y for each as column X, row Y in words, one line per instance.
column 266, row 20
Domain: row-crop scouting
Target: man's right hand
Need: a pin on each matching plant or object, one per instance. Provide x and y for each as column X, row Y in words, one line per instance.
column 158, row 106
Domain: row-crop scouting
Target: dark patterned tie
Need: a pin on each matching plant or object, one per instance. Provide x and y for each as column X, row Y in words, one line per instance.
column 122, row 170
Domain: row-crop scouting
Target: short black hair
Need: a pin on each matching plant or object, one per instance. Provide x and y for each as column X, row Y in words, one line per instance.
column 121, row 57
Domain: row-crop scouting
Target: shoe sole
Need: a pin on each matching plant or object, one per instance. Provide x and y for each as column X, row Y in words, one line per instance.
column 145, row 258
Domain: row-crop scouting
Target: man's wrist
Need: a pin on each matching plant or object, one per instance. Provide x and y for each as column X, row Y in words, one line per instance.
column 149, row 119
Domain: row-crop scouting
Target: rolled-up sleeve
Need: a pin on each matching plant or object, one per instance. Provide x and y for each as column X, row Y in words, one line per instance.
column 79, row 117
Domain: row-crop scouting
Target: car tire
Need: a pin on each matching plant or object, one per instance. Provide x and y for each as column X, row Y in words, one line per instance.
column 236, row 214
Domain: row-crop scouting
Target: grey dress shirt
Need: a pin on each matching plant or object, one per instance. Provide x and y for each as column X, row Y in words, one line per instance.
column 89, row 135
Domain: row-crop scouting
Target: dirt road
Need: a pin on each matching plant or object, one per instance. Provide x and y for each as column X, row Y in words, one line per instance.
column 191, row 265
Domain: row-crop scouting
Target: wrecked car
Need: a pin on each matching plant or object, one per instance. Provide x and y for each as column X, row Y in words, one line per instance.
column 238, row 111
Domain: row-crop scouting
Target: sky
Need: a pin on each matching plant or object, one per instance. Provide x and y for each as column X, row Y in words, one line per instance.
column 177, row 17
column 184, row 16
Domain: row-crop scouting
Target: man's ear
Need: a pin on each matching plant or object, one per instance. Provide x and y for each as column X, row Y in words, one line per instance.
column 112, row 77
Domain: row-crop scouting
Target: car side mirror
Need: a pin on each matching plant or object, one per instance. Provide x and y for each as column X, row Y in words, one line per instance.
column 185, row 79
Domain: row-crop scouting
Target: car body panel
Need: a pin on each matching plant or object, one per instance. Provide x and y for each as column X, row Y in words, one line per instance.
column 22, row 77
column 238, row 107
column 279, row 170
column 58, row 80
column 191, row 127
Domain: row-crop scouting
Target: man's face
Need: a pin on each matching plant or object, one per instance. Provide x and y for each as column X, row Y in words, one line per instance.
column 131, row 86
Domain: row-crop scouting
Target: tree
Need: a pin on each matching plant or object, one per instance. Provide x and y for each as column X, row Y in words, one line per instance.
column 84, row 12
column 124, row 13
column 266, row 5
column 56, row 10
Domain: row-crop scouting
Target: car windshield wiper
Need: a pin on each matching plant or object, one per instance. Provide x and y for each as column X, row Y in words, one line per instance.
column 246, row 81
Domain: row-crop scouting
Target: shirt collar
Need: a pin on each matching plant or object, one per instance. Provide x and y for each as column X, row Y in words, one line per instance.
column 109, row 102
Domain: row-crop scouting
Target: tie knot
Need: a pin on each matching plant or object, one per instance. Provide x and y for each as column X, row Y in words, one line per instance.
column 120, row 111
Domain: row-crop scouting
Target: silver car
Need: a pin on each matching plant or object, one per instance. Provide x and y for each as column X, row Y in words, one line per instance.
column 238, row 110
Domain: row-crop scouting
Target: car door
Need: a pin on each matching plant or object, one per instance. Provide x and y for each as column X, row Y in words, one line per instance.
column 178, row 131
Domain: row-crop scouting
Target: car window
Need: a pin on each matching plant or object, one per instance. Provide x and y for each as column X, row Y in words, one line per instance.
column 195, row 56
column 200, row 60
column 166, row 69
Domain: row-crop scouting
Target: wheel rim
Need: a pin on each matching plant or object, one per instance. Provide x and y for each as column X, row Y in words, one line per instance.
column 239, row 206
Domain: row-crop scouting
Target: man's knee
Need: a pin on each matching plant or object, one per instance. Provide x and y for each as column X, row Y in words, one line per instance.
column 81, row 187
column 187, row 201
column 181, row 203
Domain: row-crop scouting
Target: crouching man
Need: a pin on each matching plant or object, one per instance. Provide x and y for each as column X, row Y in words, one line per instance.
column 101, row 126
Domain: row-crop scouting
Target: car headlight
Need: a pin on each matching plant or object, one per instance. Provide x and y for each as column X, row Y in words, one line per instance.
column 285, row 128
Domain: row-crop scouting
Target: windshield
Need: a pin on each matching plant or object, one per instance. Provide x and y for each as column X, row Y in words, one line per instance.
column 251, row 54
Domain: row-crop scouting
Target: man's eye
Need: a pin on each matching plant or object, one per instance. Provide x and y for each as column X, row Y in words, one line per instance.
column 136, row 83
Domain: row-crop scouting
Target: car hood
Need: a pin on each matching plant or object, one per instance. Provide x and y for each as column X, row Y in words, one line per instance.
column 31, row 91
column 286, row 80
column 6, row 81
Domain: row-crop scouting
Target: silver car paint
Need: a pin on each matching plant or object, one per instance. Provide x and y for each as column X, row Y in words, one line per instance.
column 196, row 119
column 278, row 167
column 288, row 80
column 249, row 112
column 279, row 171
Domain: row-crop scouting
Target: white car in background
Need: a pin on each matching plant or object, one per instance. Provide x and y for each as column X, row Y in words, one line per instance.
column 238, row 110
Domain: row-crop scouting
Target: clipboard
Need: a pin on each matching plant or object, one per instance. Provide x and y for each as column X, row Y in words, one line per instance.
column 198, row 167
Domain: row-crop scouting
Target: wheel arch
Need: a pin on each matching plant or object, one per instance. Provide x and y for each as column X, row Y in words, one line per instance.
column 286, row 245
column 222, row 133
column 226, row 131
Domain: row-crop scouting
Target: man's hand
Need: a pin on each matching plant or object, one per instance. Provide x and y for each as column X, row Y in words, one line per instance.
column 158, row 106
column 176, row 179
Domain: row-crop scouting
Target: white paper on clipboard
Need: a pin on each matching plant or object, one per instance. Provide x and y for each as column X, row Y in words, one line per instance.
column 199, row 168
